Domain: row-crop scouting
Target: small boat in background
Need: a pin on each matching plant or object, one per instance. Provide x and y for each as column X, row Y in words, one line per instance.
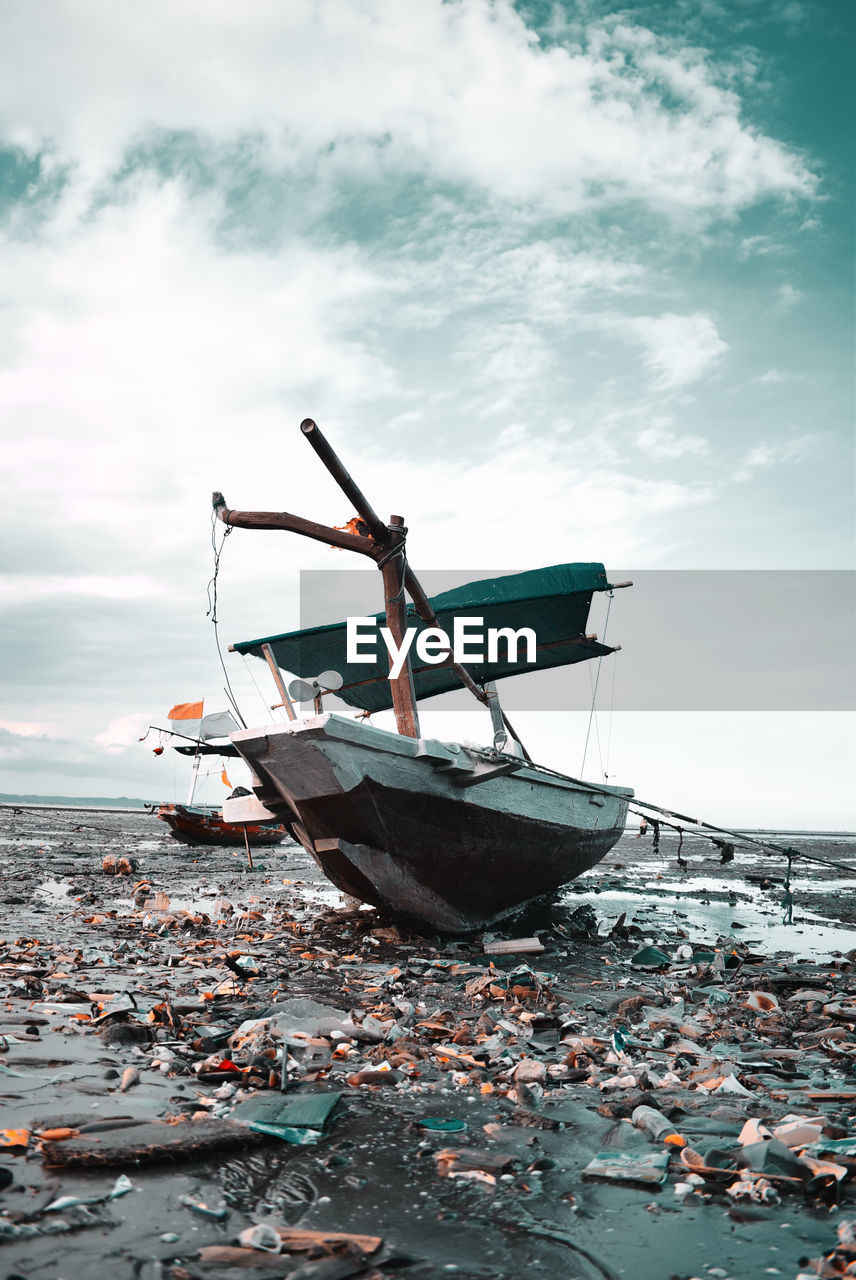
column 204, row 824
column 199, row 825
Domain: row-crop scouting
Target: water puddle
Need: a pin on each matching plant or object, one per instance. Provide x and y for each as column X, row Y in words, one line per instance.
column 33, row 842
column 56, row 891
column 758, row 926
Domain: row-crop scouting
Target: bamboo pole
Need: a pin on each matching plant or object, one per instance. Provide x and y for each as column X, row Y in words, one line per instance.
column 333, row 463
column 279, row 682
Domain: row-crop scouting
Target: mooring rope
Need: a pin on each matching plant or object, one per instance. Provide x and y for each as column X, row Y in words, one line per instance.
column 785, row 850
column 682, row 818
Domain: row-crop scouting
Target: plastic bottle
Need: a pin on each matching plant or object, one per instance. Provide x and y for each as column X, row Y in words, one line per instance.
column 657, row 1127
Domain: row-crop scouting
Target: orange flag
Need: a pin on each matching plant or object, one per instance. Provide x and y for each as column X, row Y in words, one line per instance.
column 186, row 711
column 224, row 779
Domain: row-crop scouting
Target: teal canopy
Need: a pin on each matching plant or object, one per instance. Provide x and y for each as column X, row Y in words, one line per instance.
column 554, row 602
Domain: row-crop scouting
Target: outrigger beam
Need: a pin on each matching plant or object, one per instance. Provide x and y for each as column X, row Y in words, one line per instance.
column 292, row 524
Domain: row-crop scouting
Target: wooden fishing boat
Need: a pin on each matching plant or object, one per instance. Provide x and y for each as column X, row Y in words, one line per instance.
column 202, row 825
column 450, row 836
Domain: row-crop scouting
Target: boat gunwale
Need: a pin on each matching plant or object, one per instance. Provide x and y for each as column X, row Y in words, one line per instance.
column 419, row 748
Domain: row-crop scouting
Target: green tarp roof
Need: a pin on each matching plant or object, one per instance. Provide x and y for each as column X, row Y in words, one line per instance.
column 554, row 602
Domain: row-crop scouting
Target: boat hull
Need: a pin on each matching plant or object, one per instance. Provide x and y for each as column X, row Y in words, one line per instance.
column 195, row 826
column 451, row 838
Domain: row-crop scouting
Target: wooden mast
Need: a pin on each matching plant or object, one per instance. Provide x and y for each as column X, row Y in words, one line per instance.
column 392, row 567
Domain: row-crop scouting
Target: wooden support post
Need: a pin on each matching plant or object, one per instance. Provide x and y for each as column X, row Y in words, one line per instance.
column 392, row 568
column 500, row 736
column 279, row 682
column 247, row 847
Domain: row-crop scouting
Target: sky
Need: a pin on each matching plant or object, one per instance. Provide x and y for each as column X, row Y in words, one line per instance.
column 561, row 282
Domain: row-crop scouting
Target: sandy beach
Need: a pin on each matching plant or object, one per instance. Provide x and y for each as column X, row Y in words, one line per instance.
column 122, row 996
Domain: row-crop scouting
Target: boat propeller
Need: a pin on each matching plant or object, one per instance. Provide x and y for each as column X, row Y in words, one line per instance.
column 307, row 690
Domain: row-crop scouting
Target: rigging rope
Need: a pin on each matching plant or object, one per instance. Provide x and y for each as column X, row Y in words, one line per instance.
column 212, row 609
column 594, row 691
column 249, row 671
column 611, row 713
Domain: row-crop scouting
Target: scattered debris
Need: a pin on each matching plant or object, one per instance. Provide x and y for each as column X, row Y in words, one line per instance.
column 271, row 1051
column 511, row 946
column 618, row 1166
column 146, row 1143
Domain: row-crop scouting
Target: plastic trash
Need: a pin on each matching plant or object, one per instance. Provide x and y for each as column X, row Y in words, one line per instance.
column 513, row 946
column 772, row 1156
column 799, row 1132
column 435, row 1124
column 753, row 1131
column 621, row 1167
column 732, row 1085
column 298, row 1118
column 121, row 1187
column 658, row 1128
column 832, row 1146
column 202, row 1210
column 762, row 1002
column 262, row 1236
column 650, row 958
column 716, row 995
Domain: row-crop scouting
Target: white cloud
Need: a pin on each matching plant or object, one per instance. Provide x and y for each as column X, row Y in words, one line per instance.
column 135, row 351
column 125, row 731
column 760, row 246
column 660, row 442
column 20, row 589
column 461, row 91
column 594, row 507
column 24, row 728
column 677, row 349
column 787, row 297
column 765, row 455
column 775, row 376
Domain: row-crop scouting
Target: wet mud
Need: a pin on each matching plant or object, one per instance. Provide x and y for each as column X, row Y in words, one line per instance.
column 182, row 991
